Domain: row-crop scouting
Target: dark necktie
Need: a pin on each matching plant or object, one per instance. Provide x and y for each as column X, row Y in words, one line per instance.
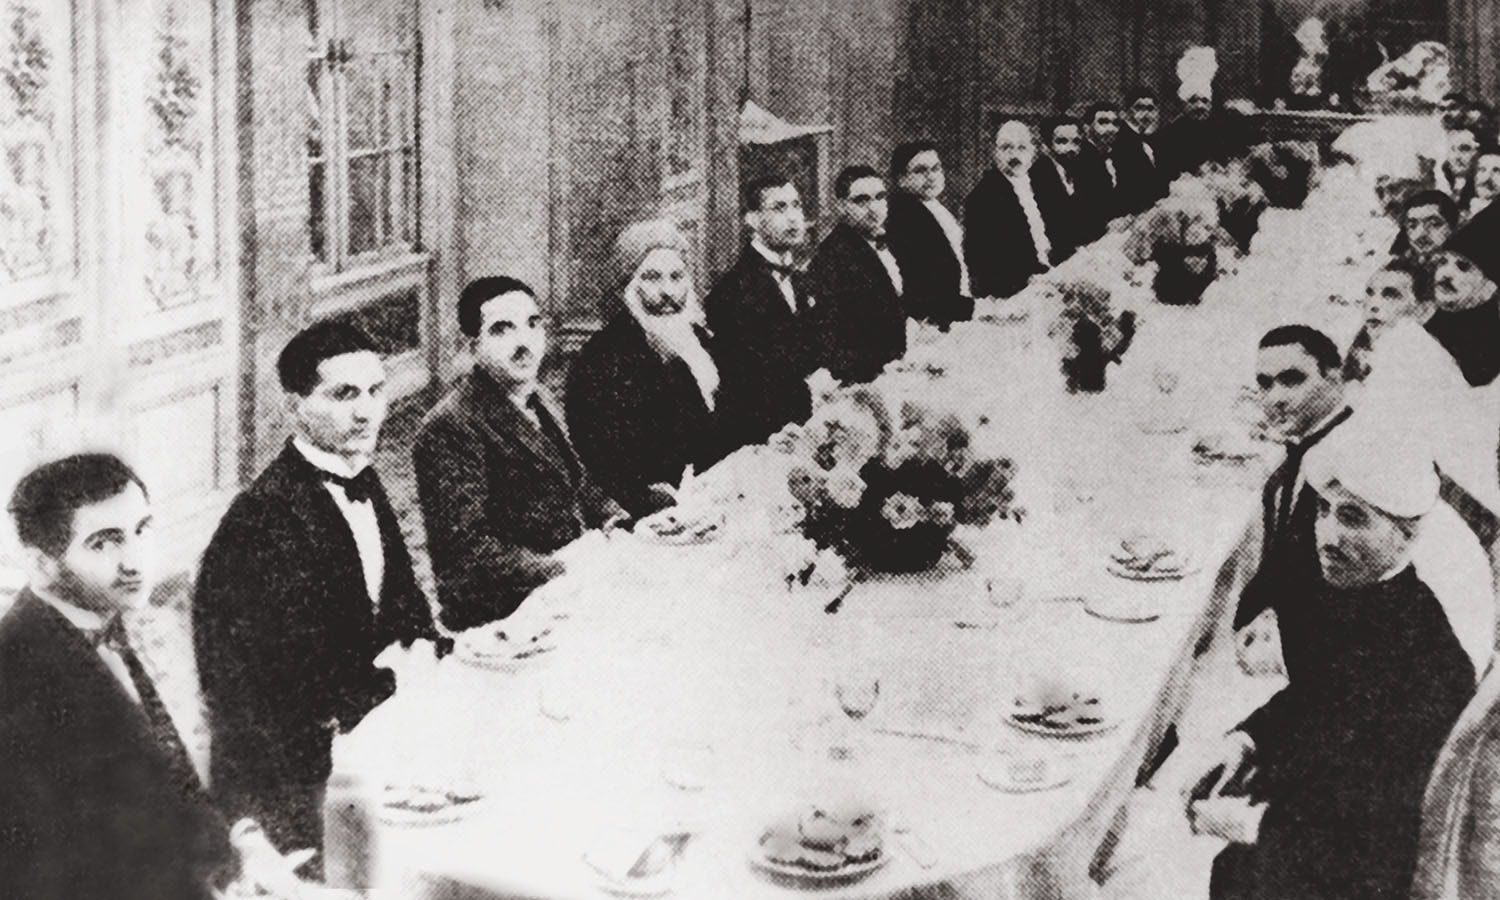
column 163, row 730
column 362, row 487
column 553, row 433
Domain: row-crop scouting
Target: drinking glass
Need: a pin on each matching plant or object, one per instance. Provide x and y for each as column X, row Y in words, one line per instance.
column 857, row 692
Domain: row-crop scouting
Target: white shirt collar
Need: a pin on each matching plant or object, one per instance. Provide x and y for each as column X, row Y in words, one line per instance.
column 331, row 463
column 1322, row 424
column 83, row 619
column 780, row 259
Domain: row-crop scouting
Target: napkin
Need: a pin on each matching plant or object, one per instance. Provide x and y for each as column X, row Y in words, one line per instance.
column 634, row 855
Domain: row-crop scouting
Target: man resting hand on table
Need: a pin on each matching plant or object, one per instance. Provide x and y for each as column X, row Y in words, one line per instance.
column 1377, row 678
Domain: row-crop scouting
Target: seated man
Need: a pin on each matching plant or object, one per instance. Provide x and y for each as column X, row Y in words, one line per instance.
column 99, row 799
column 1377, row 678
column 1006, row 239
column 1390, row 297
column 859, row 282
column 1466, row 292
column 498, row 480
column 306, row 580
column 1427, row 220
column 926, row 238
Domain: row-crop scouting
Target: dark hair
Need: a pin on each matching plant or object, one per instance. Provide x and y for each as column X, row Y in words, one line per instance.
column 1402, row 265
column 1098, row 107
column 1317, row 344
column 1447, row 208
column 46, row 498
column 1054, row 122
column 902, row 156
column 851, row 174
column 297, row 366
column 1141, row 93
column 755, row 190
column 481, row 291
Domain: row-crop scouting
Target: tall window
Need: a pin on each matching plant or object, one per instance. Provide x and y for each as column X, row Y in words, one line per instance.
column 361, row 123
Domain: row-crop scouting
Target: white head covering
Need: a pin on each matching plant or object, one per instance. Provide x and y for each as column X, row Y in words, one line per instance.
column 1387, row 464
column 674, row 335
column 1195, row 71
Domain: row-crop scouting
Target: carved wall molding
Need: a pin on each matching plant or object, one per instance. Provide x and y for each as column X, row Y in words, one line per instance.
column 177, row 343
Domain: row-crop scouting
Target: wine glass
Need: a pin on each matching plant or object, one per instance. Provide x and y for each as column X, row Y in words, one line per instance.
column 1165, row 379
column 857, row 692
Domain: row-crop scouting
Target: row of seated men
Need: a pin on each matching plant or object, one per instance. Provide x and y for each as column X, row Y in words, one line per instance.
column 307, row 576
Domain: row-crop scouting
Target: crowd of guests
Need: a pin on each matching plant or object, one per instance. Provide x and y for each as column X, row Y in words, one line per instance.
column 307, row 577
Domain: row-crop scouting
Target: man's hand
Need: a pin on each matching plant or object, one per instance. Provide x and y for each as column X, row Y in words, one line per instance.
column 1257, row 647
column 1231, row 752
column 1234, row 819
column 264, row 872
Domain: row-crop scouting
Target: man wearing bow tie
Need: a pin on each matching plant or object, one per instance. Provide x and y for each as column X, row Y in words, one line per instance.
column 859, row 282
column 763, row 309
column 306, row 580
column 1299, row 375
column 99, row 799
column 500, row 485
column 1006, row 237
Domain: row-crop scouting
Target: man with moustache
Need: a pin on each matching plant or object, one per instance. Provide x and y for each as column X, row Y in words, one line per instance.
column 1062, row 192
column 1299, row 374
column 1427, row 219
column 1119, row 169
column 99, row 799
column 1377, row 678
column 1202, row 133
column 859, row 282
column 1138, row 138
column 1005, row 235
column 306, row 580
column 763, row 308
column 500, row 485
column 926, row 238
column 1466, row 272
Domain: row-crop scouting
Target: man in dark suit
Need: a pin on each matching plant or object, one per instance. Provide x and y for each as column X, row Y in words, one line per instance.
column 1006, row 240
column 1143, row 121
column 1062, row 189
column 498, row 480
column 926, row 238
column 1123, row 175
column 1202, row 133
column 763, row 310
column 858, row 282
column 99, row 799
column 306, row 580
column 1300, row 375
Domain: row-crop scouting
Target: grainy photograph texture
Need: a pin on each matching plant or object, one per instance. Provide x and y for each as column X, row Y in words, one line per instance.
column 861, row 449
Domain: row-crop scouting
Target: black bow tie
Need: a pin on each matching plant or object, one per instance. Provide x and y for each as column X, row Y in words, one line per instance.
column 879, row 243
column 782, row 269
column 111, row 634
column 360, row 488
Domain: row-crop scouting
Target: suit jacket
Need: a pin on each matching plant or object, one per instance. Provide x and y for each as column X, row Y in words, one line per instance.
column 497, row 497
column 860, row 314
column 930, row 268
column 1070, row 224
column 1376, row 680
column 776, row 347
column 88, row 806
column 638, row 419
column 1472, row 338
column 997, row 238
column 1139, row 180
column 286, row 639
column 1185, row 144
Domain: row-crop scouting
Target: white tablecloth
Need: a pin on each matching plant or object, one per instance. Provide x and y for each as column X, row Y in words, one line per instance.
column 705, row 645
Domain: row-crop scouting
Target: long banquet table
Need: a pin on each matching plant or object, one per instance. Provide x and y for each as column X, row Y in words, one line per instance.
column 666, row 648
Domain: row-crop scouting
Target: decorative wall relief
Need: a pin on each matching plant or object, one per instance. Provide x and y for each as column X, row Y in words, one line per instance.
column 29, row 188
column 178, row 230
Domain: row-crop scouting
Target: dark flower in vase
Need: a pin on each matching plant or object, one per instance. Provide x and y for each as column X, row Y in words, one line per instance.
column 1184, row 272
column 905, row 518
column 1240, row 219
column 1085, row 368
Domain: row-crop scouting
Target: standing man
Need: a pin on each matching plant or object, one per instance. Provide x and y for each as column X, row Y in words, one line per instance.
column 306, row 580
column 926, row 238
column 1006, row 240
column 859, row 282
column 498, row 480
column 99, row 799
column 763, row 309
column 1299, row 373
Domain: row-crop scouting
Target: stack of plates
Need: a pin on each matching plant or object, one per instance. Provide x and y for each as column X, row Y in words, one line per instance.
column 492, row 647
column 830, row 845
column 1146, row 557
column 408, row 806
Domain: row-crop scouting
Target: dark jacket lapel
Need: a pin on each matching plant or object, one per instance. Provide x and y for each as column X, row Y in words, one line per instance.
column 506, row 425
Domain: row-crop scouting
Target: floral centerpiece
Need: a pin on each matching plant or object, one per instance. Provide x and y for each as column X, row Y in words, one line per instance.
column 1093, row 334
column 1416, row 81
column 1180, row 235
column 1284, row 171
column 886, row 492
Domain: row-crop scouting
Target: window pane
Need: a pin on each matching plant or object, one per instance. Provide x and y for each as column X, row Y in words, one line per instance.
column 367, row 178
column 362, row 89
column 317, row 213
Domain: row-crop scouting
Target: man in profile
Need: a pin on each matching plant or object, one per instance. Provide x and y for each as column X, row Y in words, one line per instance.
column 1005, row 234
column 500, row 485
column 306, row 580
column 99, row 799
column 859, row 282
column 926, row 238
column 763, row 308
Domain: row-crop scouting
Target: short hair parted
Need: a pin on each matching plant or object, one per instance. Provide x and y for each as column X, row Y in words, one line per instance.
column 1058, row 120
column 755, row 191
column 1141, row 93
column 1317, row 344
column 297, row 366
column 481, row 291
column 1099, row 106
column 1402, row 265
column 44, row 501
column 1446, row 205
column 902, row 156
column 851, row 174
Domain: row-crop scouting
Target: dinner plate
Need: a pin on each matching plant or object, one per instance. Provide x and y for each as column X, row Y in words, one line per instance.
column 1076, row 731
column 995, row 771
column 1120, row 571
column 1122, row 612
column 403, row 817
column 711, row 529
column 807, row 877
column 503, row 662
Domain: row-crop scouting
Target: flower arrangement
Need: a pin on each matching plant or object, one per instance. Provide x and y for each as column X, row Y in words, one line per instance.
column 1093, row 333
column 1180, row 235
column 1283, row 170
column 1416, row 81
column 886, row 492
